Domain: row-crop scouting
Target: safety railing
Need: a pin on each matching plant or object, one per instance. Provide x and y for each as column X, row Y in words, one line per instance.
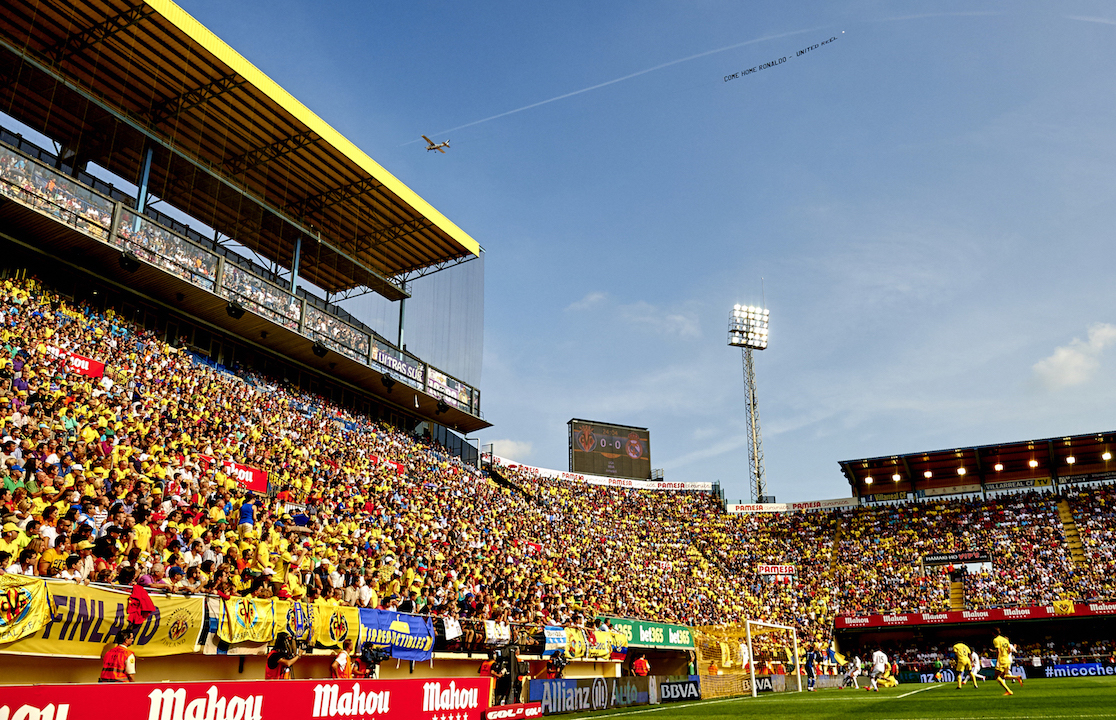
column 45, row 189
column 336, row 335
column 164, row 249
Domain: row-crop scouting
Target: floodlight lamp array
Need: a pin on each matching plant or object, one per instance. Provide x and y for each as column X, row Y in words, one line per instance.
column 748, row 327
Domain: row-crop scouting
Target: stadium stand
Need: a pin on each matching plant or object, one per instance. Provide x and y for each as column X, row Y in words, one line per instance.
column 368, row 516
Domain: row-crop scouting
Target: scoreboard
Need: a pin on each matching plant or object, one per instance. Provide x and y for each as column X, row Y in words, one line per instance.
column 598, row 448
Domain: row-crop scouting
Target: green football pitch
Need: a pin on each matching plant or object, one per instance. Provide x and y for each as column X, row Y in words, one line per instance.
column 1059, row 698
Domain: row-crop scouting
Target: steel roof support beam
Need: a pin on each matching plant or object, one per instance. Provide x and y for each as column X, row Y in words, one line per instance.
column 388, row 235
column 1053, row 463
column 82, row 41
column 175, row 106
column 910, row 475
column 406, row 277
column 261, row 156
column 329, row 198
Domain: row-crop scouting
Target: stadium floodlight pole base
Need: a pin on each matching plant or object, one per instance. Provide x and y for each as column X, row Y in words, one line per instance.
column 752, row 655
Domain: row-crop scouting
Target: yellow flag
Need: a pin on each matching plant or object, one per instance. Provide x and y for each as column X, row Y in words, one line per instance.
column 1063, row 607
column 24, row 607
column 334, row 623
column 247, row 619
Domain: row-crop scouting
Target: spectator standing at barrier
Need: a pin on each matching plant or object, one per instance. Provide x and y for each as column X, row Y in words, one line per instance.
column 118, row 664
column 641, row 667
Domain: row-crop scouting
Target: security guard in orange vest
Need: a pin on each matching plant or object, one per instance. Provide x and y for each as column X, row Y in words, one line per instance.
column 118, row 664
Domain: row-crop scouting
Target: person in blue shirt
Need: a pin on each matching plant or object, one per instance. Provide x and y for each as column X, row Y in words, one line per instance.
column 811, row 669
column 247, row 514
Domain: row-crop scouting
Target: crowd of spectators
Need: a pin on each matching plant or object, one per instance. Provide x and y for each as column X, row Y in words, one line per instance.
column 166, row 250
column 69, row 202
column 260, row 296
column 1093, row 512
column 122, row 479
column 337, row 335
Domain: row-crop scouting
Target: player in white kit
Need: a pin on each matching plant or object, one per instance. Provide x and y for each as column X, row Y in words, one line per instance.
column 879, row 667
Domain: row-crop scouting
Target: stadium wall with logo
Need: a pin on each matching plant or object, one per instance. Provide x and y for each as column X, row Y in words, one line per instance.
column 464, row 699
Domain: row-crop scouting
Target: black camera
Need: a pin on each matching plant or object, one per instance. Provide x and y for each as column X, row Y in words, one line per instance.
column 558, row 662
column 372, row 654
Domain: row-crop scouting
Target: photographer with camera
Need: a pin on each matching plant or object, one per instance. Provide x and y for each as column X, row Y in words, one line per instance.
column 556, row 665
column 502, row 671
column 283, row 655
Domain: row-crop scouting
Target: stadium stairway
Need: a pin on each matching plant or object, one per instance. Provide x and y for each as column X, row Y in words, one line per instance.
column 1073, row 537
column 957, row 595
column 838, row 531
column 504, row 482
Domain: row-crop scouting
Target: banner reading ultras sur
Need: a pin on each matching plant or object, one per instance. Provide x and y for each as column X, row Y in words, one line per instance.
column 460, row 698
column 1060, row 609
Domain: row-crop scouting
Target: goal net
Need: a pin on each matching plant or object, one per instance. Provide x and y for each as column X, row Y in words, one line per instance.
column 747, row 659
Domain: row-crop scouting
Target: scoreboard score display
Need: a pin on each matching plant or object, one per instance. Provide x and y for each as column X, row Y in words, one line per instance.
column 598, row 448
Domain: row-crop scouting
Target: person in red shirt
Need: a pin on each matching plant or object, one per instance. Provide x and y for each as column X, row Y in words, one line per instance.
column 641, row 667
column 118, row 664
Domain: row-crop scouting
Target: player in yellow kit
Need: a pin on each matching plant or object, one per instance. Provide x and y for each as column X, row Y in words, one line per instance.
column 962, row 663
column 1003, row 662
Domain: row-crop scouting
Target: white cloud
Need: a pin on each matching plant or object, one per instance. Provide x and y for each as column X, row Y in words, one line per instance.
column 681, row 323
column 512, row 449
column 1076, row 363
column 587, row 302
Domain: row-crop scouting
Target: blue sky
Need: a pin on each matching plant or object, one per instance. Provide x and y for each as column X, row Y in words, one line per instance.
column 929, row 199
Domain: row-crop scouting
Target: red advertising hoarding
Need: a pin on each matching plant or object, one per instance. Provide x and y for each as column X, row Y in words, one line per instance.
column 247, row 477
column 78, row 363
column 1041, row 612
column 460, row 699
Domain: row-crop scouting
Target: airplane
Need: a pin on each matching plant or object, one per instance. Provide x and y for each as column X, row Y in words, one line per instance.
column 431, row 146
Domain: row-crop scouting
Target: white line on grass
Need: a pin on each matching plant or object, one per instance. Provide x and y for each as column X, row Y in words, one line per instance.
column 672, row 706
column 915, row 692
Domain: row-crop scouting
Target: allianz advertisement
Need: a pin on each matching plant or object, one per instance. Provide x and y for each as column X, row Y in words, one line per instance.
column 654, row 635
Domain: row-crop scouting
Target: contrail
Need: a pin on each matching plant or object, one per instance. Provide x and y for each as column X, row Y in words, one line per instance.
column 621, row 79
column 1082, row 18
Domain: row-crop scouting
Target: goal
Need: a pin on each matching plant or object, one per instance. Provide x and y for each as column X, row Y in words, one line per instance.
column 747, row 659
column 768, row 644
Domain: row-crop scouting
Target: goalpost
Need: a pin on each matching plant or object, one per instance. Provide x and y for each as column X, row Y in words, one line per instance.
column 727, row 656
column 762, row 633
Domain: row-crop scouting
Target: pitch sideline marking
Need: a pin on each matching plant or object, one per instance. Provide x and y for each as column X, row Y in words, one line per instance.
column 672, row 706
column 915, row 692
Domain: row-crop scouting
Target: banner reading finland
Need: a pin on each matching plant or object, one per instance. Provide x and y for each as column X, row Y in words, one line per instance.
column 85, row 618
column 411, row 637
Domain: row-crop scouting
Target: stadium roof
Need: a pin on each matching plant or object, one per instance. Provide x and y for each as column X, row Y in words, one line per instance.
column 109, row 79
column 1027, row 463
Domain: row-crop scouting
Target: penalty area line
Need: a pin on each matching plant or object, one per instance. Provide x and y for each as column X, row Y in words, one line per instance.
column 915, row 692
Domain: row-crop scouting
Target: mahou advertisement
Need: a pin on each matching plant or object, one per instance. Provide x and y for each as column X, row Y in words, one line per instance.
column 457, row 699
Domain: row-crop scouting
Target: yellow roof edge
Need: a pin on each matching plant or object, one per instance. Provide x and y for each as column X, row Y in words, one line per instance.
column 239, row 64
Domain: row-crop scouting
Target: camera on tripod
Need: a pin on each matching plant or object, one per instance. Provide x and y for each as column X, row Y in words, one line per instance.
column 372, row 655
column 558, row 662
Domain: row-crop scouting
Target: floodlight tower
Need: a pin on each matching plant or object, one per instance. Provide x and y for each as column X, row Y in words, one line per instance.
column 748, row 331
